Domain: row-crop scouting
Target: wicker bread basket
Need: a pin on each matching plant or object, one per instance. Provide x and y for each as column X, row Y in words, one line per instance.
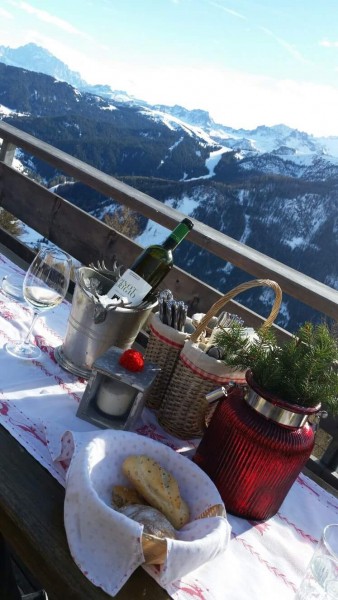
column 184, row 406
column 163, row 349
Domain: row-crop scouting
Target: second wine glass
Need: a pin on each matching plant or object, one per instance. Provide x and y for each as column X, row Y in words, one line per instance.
column 44, row 287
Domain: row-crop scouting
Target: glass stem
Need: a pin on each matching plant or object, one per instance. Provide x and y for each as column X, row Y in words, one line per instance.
column 35, row 317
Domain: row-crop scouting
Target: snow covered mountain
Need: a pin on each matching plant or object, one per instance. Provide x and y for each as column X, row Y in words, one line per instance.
column 278, row 149
column 272, row 188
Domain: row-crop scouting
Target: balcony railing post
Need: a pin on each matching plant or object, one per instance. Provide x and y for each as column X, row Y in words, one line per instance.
column 7, row 152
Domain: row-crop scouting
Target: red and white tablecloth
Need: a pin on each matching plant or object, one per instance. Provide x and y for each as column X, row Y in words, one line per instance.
column 38, row 403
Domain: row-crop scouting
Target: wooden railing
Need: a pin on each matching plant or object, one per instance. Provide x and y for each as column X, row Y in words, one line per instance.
column 88, row 240
column 61, row 220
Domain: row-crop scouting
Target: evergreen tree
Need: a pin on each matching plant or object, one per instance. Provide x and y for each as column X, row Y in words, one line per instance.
column 10, row 223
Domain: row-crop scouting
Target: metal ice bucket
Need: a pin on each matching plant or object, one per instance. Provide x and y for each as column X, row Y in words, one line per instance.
column 91, row 329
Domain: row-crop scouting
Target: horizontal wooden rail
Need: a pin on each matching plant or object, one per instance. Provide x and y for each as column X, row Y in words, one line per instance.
column 306, row 289
column 89, row 240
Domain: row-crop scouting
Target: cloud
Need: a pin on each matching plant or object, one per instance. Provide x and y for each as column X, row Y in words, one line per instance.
column 234, row 13
column 47, row 17
column 290, row 49
column 234, row 98
column 5, row 14
column 328, row 44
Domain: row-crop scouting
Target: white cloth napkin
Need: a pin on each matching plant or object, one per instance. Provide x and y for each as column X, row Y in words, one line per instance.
column 105, row 544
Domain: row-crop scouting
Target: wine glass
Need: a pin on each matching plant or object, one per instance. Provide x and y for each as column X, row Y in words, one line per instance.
column 44, row 287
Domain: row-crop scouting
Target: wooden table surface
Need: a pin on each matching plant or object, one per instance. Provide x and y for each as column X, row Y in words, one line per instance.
column 31, row 518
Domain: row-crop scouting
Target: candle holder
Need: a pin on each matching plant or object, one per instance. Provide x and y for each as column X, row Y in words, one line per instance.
column 114, row 396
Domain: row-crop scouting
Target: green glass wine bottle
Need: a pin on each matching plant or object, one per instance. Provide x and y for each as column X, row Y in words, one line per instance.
column 150, row 267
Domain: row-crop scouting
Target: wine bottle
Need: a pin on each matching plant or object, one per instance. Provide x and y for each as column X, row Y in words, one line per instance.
column 149, row 268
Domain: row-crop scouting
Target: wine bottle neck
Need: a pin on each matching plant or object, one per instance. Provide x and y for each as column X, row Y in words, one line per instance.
column 177, row 235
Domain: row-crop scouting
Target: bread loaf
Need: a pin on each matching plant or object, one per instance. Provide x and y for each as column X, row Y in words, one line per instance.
column 158, row 487
column 123, row 496
column 155, row 523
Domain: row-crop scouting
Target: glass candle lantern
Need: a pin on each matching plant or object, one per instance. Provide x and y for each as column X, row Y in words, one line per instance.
column 254, row 449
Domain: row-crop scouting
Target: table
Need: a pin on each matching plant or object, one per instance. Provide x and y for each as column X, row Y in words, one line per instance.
column 260, row 556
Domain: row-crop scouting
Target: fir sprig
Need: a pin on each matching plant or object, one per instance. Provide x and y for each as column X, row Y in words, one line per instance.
column 303, row 370
column 233, row 341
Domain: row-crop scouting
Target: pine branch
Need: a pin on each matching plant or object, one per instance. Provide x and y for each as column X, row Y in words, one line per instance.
column 300, row 371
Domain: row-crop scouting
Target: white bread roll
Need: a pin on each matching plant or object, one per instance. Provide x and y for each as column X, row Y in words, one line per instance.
column 155, row 523
column 158, row 487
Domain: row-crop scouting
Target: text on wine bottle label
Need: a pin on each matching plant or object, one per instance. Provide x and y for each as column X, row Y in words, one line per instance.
column 130, row 286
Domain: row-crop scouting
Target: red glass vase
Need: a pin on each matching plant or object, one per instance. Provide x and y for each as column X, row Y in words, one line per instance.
column 254, row 449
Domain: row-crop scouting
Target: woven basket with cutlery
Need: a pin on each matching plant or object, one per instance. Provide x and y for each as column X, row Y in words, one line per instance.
column 163, row 349
column 184, row 406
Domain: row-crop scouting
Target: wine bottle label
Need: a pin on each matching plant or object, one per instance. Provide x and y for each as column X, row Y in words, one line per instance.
column 130, row 286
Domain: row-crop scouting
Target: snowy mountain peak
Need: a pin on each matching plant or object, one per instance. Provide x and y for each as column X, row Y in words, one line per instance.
column 35, row 58
column 278, row 130
column 198, row 117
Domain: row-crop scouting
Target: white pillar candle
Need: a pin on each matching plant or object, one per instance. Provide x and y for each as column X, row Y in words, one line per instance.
column 115, row 398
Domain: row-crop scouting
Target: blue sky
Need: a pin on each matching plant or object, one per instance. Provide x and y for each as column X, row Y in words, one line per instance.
column 248, row 62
